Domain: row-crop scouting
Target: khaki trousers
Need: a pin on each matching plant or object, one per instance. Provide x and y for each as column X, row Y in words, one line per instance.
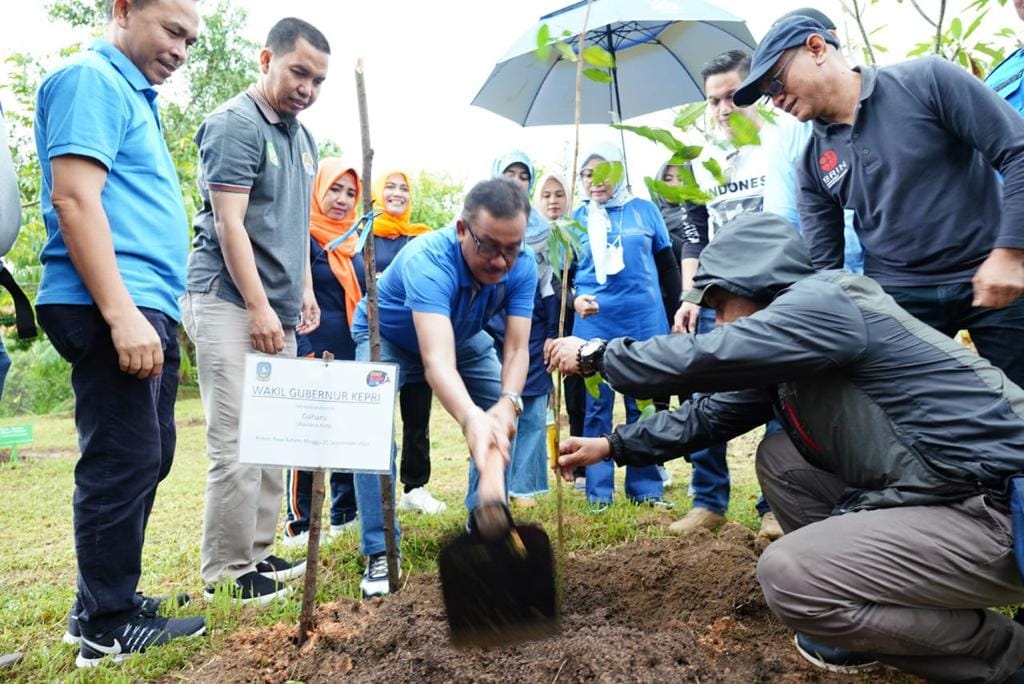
column 243, row 502
column 910, row 585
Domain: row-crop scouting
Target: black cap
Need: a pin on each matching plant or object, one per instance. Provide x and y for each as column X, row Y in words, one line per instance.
column 786, row 33
column 811, row 13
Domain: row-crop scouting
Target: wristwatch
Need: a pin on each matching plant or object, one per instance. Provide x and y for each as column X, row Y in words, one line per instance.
column 517, row 401
column 588, row 356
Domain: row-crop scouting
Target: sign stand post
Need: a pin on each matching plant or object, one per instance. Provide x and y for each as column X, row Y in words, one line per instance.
column 307, row 618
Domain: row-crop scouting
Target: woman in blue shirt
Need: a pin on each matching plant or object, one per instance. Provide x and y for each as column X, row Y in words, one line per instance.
column 626, row 252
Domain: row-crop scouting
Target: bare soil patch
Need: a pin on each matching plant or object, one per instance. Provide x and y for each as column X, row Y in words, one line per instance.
column 654, row 610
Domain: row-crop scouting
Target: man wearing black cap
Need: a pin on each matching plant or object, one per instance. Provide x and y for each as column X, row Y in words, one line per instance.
column 892, row 474
column 783, row 154
column 915, row 150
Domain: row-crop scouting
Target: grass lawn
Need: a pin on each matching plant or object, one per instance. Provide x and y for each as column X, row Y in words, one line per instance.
column 37, row 571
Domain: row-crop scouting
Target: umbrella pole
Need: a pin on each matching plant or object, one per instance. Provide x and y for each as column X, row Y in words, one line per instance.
column 617, row 103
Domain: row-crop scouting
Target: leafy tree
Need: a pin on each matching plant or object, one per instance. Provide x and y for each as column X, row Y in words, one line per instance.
column 436, row 198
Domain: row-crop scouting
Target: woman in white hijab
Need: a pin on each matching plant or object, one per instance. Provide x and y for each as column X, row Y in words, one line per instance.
column 626, row 253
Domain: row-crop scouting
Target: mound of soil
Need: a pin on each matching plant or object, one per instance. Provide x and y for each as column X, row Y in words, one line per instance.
column 664, row 610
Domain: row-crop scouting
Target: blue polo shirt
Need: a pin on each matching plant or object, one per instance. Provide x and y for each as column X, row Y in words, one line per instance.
column 99, row 105
column 430, row 276
column 1007, row 79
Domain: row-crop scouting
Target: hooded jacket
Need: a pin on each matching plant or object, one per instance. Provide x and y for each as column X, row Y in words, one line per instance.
column 900, row 412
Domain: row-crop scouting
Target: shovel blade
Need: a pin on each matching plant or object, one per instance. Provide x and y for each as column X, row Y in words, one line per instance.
column 499, row 592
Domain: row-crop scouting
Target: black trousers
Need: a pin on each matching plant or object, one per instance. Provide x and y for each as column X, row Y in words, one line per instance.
column 414, row 402
column 127, row 436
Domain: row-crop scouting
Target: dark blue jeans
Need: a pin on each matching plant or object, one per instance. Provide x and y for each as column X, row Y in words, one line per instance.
column 997, row 333
column 126, row 435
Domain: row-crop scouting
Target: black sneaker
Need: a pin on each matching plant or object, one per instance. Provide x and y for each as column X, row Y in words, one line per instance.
column 375, row 578
column 833, row 658
column 135, row 636
column 252, row 587
column 150, row 607
column 280, row 570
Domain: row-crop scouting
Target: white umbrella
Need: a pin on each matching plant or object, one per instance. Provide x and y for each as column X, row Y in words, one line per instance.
column 659, row 48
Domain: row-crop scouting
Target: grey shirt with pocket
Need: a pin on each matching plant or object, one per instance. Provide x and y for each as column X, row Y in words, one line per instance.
column 246, row 147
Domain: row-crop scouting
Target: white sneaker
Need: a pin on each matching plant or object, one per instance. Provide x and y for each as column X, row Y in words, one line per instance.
column 421, row 500
column 299, row 540
column 375, row 577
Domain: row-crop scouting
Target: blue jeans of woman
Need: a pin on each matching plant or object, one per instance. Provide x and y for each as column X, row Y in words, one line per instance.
column 528, row 473
column 642, row 483
column 710, row 485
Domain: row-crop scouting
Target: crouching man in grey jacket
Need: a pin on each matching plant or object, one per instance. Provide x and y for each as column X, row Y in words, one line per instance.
column 891, row 477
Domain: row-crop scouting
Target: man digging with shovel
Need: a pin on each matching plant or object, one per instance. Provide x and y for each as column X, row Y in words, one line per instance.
column 434, row 299
column 895, row 477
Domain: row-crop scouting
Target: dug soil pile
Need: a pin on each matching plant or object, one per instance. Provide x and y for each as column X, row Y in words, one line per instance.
column 664, row 610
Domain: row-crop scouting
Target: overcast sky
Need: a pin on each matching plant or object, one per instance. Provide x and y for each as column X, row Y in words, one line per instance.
column 425, row 61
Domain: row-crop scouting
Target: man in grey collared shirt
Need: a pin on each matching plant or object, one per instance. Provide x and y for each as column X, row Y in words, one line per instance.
column 916, row 151
column 249, row 289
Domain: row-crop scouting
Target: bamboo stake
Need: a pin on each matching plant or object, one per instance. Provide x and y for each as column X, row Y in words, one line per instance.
column 560, row 529
column 387, row 495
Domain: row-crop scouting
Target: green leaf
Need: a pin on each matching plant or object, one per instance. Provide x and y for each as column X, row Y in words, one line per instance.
column 921, row 49
column 598, row 56
column 609, row 172
column 689, row 114
column 715, row 169
column 995, row 55
column 647, row 409
column 677, row 194
column 956, row 28
column 543, row 50
column 974, row 25
column 744, row 132
column 687, row 154
column 598, row 75
column 658, row 135
column 769, row 115
column 565, row 51
column 593, row 385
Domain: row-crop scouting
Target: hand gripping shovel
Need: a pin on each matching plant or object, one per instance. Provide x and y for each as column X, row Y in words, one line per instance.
column 498, row 579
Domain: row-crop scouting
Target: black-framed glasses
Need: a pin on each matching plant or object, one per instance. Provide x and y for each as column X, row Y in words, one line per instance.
column 775, row 86
column 489, row 250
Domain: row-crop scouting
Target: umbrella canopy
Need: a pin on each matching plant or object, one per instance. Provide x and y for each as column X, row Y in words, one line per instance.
column 659, row 47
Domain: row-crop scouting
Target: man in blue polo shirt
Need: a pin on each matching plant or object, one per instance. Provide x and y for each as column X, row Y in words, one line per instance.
column 113, row 269
column 915, row 150
column 434, row 300
column 1007, row 78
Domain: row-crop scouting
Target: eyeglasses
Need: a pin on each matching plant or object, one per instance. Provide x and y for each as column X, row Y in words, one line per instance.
column 488, row 250
column 775, row 85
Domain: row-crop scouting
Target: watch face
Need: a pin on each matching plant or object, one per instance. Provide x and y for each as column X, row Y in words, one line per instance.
column 589, row 347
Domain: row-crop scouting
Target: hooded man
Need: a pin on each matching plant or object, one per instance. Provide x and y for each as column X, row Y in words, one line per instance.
column 891, row 475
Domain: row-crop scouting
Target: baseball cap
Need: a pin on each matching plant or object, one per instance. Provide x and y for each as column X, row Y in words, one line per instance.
column 788, row 32
column 811, row 13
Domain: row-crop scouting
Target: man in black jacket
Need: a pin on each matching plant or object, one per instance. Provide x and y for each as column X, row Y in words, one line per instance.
column 891, row 476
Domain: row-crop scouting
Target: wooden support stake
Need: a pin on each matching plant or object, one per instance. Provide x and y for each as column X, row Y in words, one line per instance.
column 307, row 618
column 387, row 493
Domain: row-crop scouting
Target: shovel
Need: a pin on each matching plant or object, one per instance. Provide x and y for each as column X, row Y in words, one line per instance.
column 498, row 579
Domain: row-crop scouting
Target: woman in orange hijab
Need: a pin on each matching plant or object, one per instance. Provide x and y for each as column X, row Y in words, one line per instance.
column 393, row 230
column 335, row 205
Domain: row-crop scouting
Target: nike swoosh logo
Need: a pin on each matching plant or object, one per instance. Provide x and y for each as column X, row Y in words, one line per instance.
column 108, row 650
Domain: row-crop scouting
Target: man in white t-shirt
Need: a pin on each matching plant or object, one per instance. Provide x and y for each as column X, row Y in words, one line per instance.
column 737, row 188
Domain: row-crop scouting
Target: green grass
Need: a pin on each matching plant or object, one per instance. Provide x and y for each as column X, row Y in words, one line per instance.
column 37, row 570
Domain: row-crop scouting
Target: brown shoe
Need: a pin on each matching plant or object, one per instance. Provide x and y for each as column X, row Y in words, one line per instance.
column 770, row 528
column 697, row 518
